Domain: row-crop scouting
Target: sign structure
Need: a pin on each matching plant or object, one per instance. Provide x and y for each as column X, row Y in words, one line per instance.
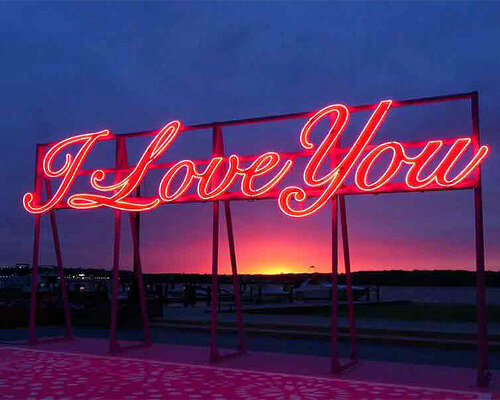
column 439, row 164
column 271, row 164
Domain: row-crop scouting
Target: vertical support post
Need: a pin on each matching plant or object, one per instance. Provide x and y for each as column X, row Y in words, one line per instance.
column 482, row 321
column 60, row 267
column 347, row 264
column 214, row 353
column 232, row 254
column 335, row 363
column 137, row 223
column 135, row 228
column 113, row 342
column 236, row 282
column 34, row 281
column 36, row 248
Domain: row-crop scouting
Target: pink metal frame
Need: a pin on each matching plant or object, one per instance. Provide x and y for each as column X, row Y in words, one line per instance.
column 338, row 206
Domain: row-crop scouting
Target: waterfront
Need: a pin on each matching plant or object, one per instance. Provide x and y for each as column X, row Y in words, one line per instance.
column 437, row 294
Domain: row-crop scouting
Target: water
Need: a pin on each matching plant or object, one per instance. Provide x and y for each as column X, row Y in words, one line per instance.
column 427, row 294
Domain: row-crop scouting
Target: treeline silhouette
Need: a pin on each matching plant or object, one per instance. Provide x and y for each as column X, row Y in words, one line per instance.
column 369, row 278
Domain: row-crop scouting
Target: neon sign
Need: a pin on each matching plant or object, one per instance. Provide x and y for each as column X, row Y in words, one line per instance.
column 214, row 180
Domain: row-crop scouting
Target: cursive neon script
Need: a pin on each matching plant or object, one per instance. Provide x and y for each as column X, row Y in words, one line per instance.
column 215, row 180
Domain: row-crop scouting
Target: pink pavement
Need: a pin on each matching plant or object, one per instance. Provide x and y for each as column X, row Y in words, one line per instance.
column 48, row 374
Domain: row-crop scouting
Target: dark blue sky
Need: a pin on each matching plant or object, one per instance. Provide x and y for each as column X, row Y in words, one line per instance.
column 70, row 68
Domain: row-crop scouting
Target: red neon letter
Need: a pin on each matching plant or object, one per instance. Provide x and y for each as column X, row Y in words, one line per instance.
column 441, row 172
column 419, row 162
column 68, row 171
column 338, row 175
column 166, row 181
column 361, row 177
column 261, row 166
column 207, row 177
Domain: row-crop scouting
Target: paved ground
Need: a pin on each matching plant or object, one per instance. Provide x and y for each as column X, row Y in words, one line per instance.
column 53, row 373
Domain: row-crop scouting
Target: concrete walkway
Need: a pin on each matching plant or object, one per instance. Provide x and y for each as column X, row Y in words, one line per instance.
column 407, row 378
